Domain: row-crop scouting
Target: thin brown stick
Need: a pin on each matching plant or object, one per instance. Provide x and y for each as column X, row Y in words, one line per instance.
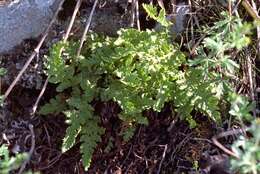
column 251, row 77
column 76, row 9
column 173, row 4
column 34, row 108
column 31, row 150
column 202, row 139
column 36, row 51
column 161, row 4
column 253, row 91
column 72, row 20
column 230, row 7
column 224, row 134
column 83, row 38
column 163, row 157
column 194, row 47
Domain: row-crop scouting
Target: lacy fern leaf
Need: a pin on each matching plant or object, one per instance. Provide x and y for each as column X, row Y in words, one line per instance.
column 72, row 131
column 138, row 70
column 90, row 136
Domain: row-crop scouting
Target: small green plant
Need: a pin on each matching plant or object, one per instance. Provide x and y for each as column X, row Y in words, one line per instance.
column 7, row 163
column 196, row 166
column 139, row 70
column 248, row 151
column 218, row 66
column 2, row 72
column 240, row 107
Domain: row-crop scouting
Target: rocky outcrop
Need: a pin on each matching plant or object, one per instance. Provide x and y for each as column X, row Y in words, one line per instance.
column 23, row 19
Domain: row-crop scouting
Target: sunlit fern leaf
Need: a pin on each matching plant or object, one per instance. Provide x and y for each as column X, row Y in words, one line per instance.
column 56, row 63
column 159, row 17
column 90, row 136
column 72, row 131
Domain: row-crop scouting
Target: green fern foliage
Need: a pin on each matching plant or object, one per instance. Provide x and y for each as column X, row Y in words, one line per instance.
column 218, row 68
column 55, row 106
column 159, row 17
column 139, row 70
column 2, row 72
column 76, row 106
column 89, row 138
column 72, row 131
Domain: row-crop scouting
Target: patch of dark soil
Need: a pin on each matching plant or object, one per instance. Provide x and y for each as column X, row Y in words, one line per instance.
column 15, row 60
column 163, row 146
column 49, row 131
column 166, row 145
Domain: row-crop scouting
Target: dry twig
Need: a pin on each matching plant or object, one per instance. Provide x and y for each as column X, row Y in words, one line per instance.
column 251, row 79
column 76, row 9
column 82, row 40
column 36, row 51
column 258, row 31
column 31, row 150
column 224, row 134
column 163, row 157
column 34, row 108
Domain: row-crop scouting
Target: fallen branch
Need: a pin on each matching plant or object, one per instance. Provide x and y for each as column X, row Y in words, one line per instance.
column 258, row 32
column 34, row 108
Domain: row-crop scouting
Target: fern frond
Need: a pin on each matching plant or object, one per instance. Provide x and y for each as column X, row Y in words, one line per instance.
column 72, row 131
column 56, row 105
column 140, row 70
column 90, row 136
column 56, row 64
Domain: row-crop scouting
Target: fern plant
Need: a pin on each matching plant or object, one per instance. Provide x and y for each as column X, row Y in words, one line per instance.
column 138, row 70
column 77, row 107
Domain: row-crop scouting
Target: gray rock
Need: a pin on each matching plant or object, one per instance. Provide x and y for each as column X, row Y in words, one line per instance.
column 23, row 19
column 180, row 19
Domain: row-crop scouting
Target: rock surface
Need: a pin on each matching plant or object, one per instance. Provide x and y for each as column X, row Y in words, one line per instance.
column 22, row 19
